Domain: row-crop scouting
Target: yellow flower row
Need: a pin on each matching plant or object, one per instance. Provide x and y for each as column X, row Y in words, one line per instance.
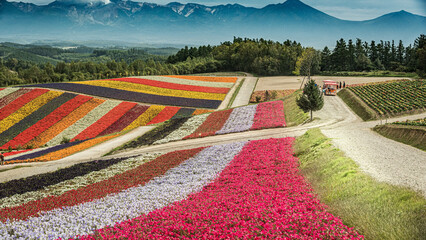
column 27, row 109
column 134, row 87
column 146, row 117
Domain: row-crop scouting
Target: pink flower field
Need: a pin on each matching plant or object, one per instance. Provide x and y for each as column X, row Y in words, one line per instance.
column 259, row 195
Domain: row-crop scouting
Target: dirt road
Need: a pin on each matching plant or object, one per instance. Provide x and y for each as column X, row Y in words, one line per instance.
column 294, row 82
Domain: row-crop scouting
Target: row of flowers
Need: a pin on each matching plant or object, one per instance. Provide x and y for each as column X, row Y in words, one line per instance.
column 251, row 117
column 98, row 190
column 174, row 86
column 6, row 91
column 59, row 151
column 12, row 96
column 29, row 114
column 417, row 122
column 207, row 79
column 260, row 195
column 64, row 109
column 64, row 180
column 132, row 96
column 135, row 87
column 182, row 81
column 39, row 117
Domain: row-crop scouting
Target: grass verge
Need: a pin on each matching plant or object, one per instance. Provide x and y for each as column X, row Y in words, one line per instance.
column 411, row 135
column 234, row 95
column 377, row 210
column 356, row 104
column 293, row 114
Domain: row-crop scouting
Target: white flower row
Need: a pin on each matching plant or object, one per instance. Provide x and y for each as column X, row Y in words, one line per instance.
column 84, row 122
column 189, row 82
column 241, row 119
column 186, row 129
column 8, row 91
column 84, row 218
column 78, row 182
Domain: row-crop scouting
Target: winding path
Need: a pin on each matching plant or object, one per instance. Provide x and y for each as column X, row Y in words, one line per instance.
column 382, row 158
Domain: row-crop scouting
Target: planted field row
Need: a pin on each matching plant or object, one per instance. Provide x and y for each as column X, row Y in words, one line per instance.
column 418, row 122
column 262, row 96
column 59, row 151
column 37, row 117
column 393, row 98
column 251, row 117
column 133, row 86
column 164, row 91
column 124, row 95
column 239, row 190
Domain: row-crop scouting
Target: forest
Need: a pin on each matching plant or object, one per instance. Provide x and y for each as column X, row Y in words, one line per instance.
column 23, row 64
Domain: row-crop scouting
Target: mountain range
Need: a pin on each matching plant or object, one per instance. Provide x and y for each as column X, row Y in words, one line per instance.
column 176, row 23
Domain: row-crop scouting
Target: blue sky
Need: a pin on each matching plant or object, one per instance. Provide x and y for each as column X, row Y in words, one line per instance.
column 344, row 9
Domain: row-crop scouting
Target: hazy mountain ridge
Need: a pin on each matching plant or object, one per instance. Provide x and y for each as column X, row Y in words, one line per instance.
column 195, row 23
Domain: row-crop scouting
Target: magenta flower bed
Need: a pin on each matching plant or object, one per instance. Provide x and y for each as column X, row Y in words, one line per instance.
column 269, row 115
column 260, row 195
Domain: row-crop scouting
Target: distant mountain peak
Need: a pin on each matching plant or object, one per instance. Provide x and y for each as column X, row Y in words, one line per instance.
column 82, row 2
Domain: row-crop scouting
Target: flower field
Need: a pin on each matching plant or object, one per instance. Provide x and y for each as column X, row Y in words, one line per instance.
column 190, row 92
column 394, row 97
column 38, row 117
column 246, row 190
column 240, row 119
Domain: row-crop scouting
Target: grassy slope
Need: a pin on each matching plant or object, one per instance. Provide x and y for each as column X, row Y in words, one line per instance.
column 356, row 104
column 411, row 135
column 293, row 114
column 377, row 210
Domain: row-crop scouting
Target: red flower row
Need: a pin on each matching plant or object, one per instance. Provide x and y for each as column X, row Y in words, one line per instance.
column 211, row 125
column 269, row 115
column 105, row 121
column 166, row 114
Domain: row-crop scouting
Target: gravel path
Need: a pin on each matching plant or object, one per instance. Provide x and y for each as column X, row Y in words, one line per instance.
column 384, row 159
column 293, row 82
column 244, row 94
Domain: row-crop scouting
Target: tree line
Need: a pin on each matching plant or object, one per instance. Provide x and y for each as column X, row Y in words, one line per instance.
column 258, row 56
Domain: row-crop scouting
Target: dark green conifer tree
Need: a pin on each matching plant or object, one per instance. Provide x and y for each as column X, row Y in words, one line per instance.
column 311, row 99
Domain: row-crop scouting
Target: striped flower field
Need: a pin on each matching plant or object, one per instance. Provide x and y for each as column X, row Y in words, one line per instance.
column 182, row 91
column 240, row 119
column 33, row 118
column 245, row 190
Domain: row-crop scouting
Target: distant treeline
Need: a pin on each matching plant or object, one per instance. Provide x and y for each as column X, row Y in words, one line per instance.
column 258, row 56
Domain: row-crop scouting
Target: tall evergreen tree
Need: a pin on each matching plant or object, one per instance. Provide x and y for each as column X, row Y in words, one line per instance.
column 311, row 99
